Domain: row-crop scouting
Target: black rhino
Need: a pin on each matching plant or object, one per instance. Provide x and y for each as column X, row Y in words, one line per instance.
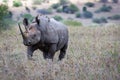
column 45, row 34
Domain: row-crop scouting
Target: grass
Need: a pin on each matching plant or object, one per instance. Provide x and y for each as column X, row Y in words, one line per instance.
column 93, row 54
column 72, row 23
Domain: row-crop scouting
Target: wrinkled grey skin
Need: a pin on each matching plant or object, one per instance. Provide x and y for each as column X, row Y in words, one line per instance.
column 47, row 35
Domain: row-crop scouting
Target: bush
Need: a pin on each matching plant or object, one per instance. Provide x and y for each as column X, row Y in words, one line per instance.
column 10, row 14
column 105, row 8
column 70, row 8
column 87, row 14
column 45, row 11
column 28, row 16
column 103, row 1
column 5, row 1
column 97, row 11
column 3, row 11
column 58, row 18
column 78, row 15
column 84, row 9
column 115, row 1
column 55, row 6
column 37, row 2
column 72, row 23
column 65, row 8
column 59, row 10
column 100, row 20
column 34, row 7
column 115, row 17
column 73, row 8
column 89, row 4
column 63, row 2
column 5, row 17
column 17, row 3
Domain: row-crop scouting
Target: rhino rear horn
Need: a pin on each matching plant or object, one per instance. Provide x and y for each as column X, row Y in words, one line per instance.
column 37, row 20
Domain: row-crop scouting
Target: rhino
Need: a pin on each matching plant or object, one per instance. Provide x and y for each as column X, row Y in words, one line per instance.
column 47, row 35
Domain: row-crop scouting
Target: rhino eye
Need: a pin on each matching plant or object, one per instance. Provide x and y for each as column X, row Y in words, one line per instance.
column 34, row 35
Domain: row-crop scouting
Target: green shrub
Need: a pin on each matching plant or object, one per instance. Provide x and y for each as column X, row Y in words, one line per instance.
column 17, row 3
column 100, row 20
column 97, row 11
column 58, row 18
column 5, row 21
column 84, row 9
column 105, row 8
column 78, row 15
column 3, row 11
column 115, row 1
column 115, row 17
column 34, row 7
column 103, row 20
column 5, row 1
column 70, row 8
column 73, row 8
column 87, row 14
column 37, row 2
column 55, row 6
column 10, row 14
column 89, row 4
column 65, row 8
column 104, row 1
column 59, row 10
column 45, row 11
column 72, row 23
column 28, row 16
column 62, row 2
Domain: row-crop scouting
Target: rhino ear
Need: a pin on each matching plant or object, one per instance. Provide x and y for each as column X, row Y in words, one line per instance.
column 25, row 22
column 37, row 20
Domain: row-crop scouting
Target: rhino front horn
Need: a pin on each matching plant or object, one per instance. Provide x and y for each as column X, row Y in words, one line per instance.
column 21, row 31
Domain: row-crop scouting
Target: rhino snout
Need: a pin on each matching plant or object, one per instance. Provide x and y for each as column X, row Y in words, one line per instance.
column 28, row 43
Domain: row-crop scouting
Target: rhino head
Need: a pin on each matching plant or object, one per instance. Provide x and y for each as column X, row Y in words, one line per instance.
column 32, row 35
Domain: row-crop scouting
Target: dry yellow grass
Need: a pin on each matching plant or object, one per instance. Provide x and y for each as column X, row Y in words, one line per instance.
column 93, row 54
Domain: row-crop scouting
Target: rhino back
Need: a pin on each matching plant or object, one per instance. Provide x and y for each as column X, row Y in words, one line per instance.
column 53, row 31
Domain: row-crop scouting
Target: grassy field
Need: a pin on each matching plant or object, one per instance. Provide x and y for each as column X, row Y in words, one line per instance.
column 93, row 54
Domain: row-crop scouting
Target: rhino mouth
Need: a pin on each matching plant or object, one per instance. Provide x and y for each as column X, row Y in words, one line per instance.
column 27, row 44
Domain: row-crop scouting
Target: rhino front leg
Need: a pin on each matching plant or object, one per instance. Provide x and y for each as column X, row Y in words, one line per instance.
column 30, row 50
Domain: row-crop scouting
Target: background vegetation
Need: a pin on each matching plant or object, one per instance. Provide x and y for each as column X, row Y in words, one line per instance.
column 94, row 48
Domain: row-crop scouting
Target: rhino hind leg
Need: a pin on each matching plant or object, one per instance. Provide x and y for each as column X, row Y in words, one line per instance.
column 45, row 55
column 63, row 52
